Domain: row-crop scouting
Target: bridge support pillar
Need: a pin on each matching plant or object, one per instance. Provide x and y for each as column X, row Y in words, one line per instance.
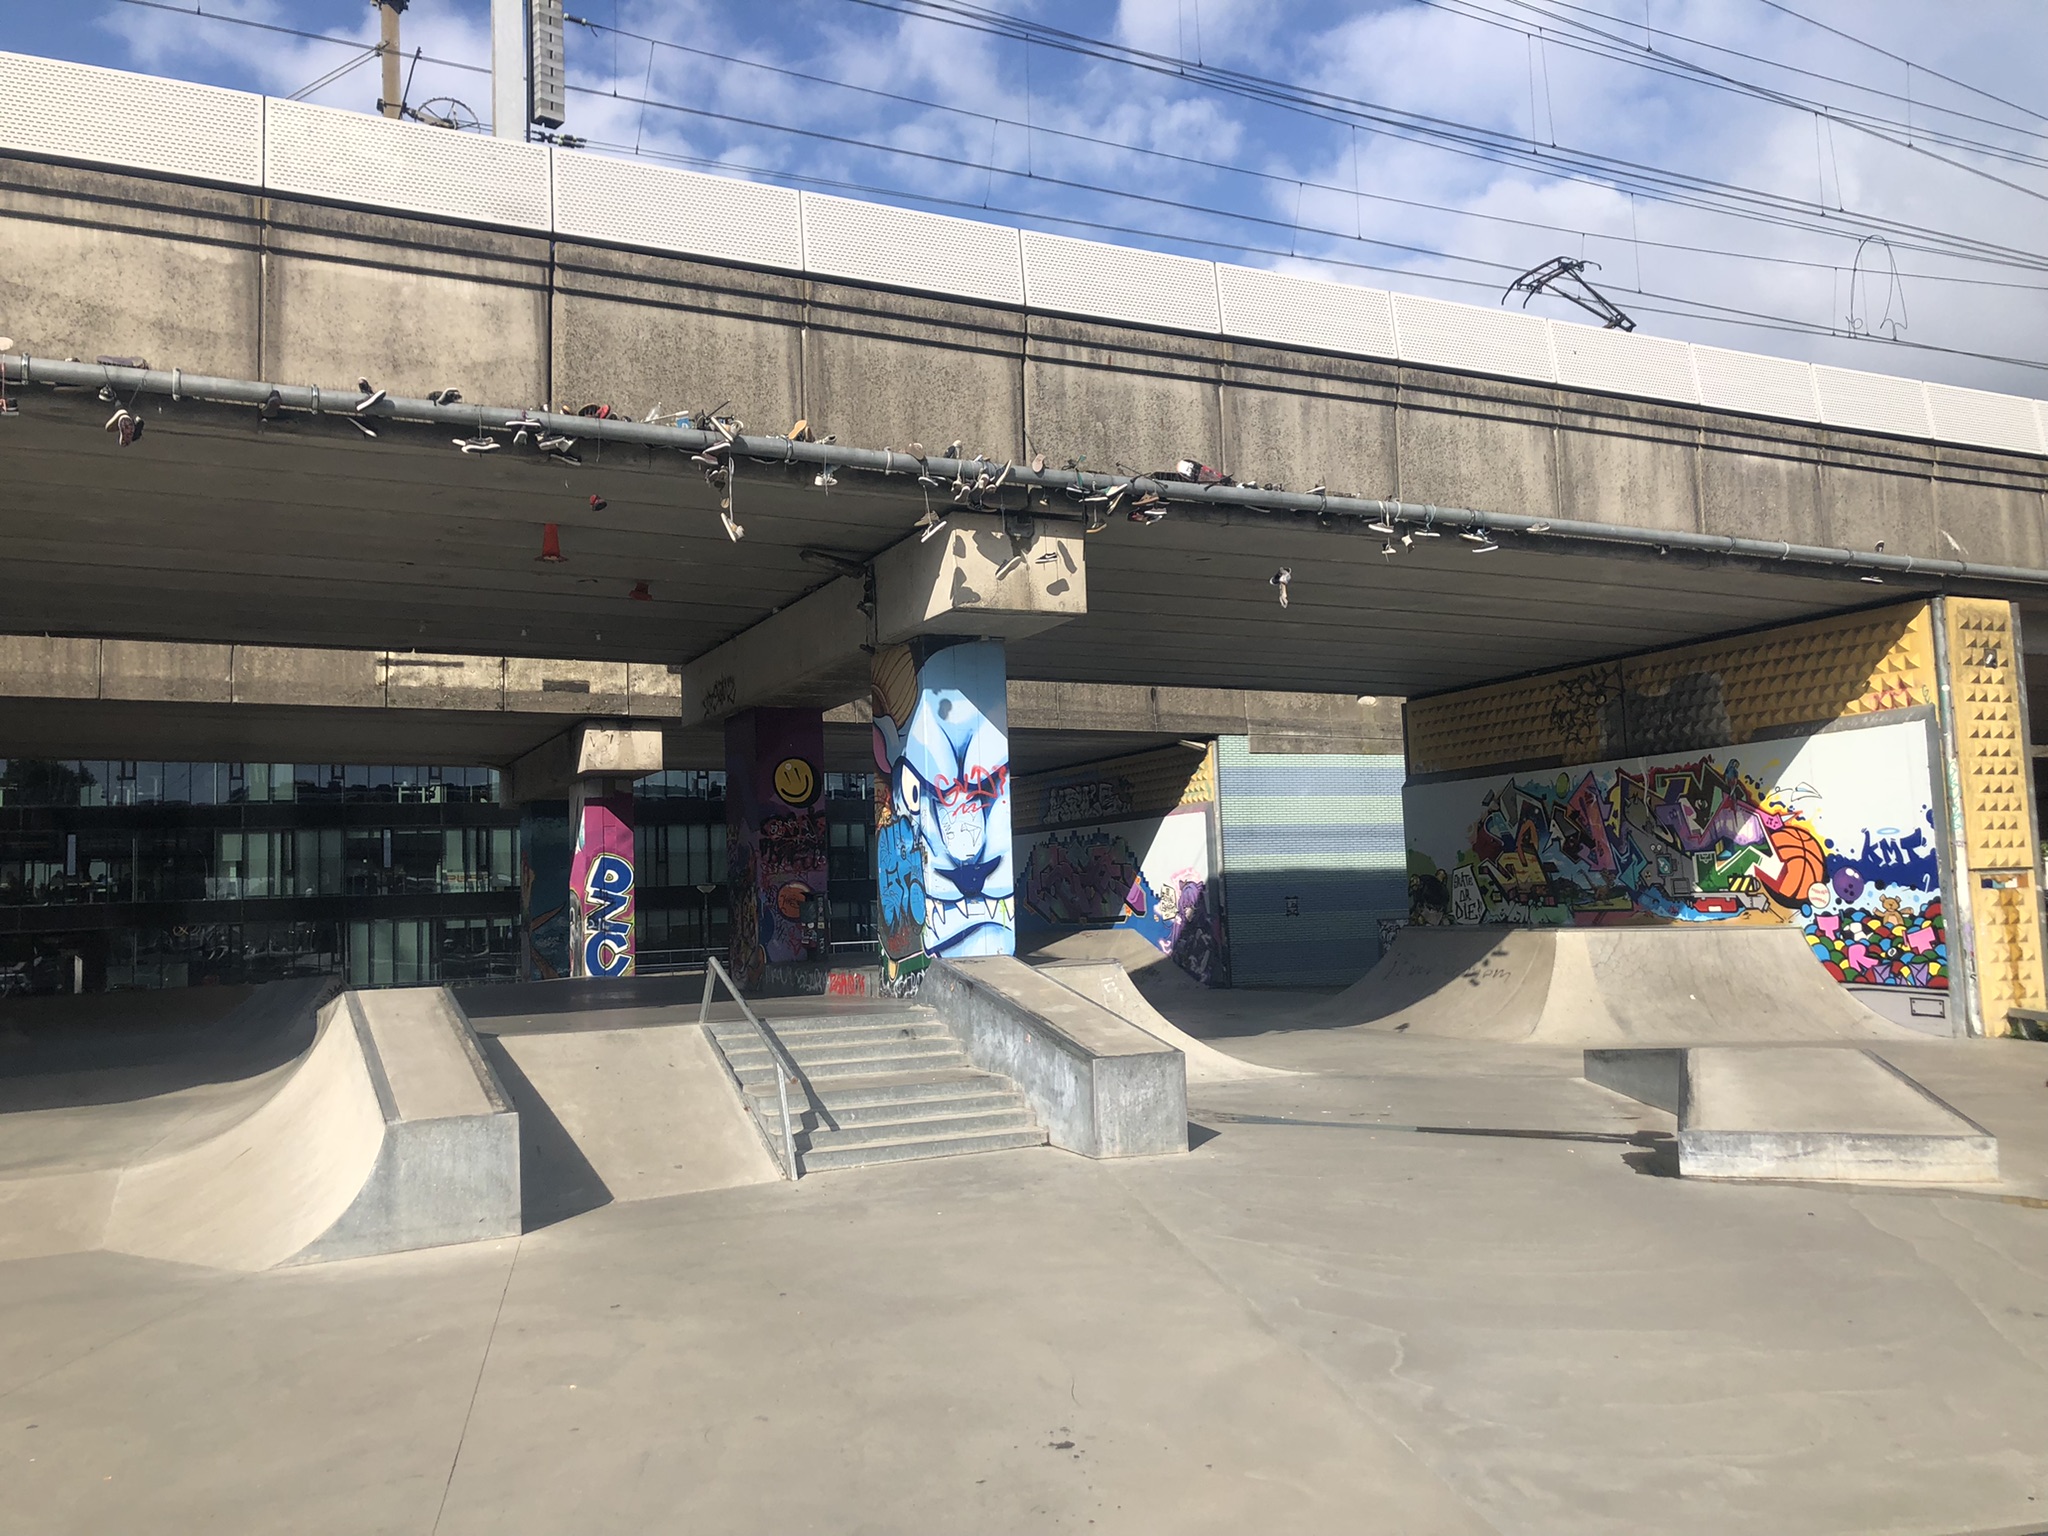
column 775, row 843
column 945, row 876
column 577, row 873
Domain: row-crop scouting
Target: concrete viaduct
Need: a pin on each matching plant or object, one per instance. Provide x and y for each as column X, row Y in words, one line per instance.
column 1469, row 495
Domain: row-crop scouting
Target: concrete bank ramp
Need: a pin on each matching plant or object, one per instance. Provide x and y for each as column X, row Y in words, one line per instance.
column 624, row 1114
column 386, row 1133
column 1800, row 1112
column 1150, row 971
column 1606, row 986
column 1106, row 982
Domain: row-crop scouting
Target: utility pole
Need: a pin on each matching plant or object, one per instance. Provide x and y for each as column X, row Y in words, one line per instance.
column 508, row 69
column 388, row 12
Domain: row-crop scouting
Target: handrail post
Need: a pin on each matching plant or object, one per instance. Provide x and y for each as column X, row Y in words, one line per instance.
column 785, row 1069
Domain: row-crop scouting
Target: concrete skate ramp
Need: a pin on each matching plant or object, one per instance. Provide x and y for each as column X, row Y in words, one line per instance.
column 624, row 1114
column 1152, row 972
column 1606, row 986
column 1106, row 982
column 384, row 1133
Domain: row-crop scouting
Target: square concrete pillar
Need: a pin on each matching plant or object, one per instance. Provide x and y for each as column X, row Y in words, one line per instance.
column 946, row 878
column 601, row 878
column 775, row 844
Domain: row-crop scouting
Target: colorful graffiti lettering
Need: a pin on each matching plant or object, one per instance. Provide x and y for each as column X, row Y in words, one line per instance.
column 1699, row 841
column 943, row 807
column 608, row 917
column 1083, row 877
column 601, row 882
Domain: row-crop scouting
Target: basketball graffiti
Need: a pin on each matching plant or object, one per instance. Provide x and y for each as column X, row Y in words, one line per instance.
column 1834, row 833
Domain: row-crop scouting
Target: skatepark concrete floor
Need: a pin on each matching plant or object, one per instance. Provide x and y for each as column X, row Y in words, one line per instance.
column 1432, row 1287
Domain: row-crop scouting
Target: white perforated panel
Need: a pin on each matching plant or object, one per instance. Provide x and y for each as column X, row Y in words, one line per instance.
column 354, row 157
column 904, row 248
column 175, row 128
column 1437, row 334
column 1115, row 282
column 1871, row 402
column 632, row 202
column 1985, row 420
column 1753, row 384
column 1623, row 362
column 1305, row 312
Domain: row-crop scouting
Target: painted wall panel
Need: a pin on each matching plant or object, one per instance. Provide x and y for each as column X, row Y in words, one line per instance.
column 1835, row 832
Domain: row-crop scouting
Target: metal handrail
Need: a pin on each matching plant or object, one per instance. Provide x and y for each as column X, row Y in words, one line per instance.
column 787, row 1073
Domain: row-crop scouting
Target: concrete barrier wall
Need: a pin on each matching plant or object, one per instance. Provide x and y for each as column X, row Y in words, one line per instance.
column 1101, row 1087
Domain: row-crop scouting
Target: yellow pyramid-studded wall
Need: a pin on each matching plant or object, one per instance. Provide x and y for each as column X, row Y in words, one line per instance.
column 1802, row 675
column 1999, row 837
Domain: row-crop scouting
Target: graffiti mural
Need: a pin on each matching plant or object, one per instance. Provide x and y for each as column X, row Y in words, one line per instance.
column 942, row 803
column 1083, row 878
column 1147, row 875
column 545, row 848
column 775, row 840
column 601, row 884
column 1834, row 833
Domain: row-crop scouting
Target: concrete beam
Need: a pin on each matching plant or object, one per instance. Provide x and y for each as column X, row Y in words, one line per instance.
column 982, row 575
column 975, row 577
column 65, row 667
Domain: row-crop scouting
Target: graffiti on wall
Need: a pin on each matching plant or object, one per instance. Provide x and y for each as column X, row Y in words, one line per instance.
column 1083, row 878
column 942, row 803
column 545, row 849
column 601, row 885
column 1096, row 878
column 775, row 840
column 1834, row 833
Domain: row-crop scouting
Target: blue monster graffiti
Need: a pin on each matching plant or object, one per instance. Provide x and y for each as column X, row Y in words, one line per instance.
column 608, row 923
column 953, row 780
column 943, row 848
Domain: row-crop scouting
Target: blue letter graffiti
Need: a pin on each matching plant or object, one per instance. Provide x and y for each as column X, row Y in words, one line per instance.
column 608, row 926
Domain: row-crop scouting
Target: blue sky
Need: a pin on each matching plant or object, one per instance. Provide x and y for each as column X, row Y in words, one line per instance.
column 1452, row 144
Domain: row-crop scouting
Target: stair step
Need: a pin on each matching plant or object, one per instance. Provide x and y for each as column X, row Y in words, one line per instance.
column 865, row 1154
column 794, row 1040
column 994, row 1101
column 923, row 1126
column 859, row 1061
column 852, row 1094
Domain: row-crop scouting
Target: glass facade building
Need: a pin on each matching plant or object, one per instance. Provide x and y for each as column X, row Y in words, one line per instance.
column 122, row 874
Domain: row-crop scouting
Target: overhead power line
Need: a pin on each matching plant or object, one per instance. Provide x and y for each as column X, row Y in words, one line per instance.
column 1935, row 242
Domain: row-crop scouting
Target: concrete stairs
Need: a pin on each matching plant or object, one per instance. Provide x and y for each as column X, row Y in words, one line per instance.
column 880, row 1087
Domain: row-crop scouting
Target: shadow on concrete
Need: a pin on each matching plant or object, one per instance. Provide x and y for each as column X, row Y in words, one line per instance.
column 556, row 1181
column 1200, row 1135
column 118, row 1048
column 580, row 994
column 1656, row 1155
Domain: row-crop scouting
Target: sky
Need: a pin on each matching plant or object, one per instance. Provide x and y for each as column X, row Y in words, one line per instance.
column 1862, row 182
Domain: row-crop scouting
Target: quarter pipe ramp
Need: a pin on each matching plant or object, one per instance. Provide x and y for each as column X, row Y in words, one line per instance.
column 1605, row 986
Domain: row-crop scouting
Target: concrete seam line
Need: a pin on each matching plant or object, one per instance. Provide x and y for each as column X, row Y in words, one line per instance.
column 1331, row 513
column 468, row 1413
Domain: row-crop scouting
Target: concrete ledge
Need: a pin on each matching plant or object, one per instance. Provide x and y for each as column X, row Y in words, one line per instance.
column 1656, row 1077
column 1101, row 1087
column 1800, row 1112
column 448, row 1169
column 1869, row 1157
